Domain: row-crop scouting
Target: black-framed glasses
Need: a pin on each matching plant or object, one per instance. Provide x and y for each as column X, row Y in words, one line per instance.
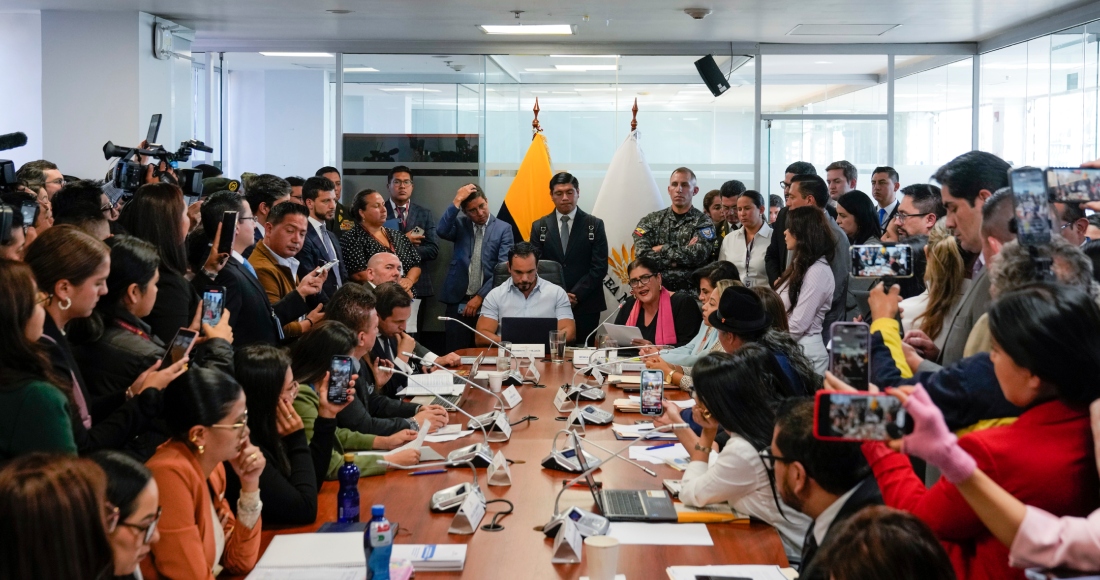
column 902, row 216
column 784, row 185
column 641, row 280
column 402, row 182
column 769, row 459
column 148, row 529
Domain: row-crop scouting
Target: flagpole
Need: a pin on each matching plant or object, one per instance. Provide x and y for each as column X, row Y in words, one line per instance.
column 633, row 120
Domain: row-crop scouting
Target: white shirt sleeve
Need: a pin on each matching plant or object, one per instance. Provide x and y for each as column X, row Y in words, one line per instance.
column 732, row 477
column 489, row 307
column 562, row 309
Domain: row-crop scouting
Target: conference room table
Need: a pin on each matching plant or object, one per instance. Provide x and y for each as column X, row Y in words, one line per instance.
column 519, row 551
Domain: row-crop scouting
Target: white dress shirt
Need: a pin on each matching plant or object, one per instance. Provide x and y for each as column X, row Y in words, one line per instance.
column 547, row 300
column 291, row 263
column 734, row 249
column 825, row 519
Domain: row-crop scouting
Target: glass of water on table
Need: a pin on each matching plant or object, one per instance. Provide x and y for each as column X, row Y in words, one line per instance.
column 557, row 346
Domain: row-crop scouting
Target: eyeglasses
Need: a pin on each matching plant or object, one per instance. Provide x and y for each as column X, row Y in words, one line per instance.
column 245, row 219
column 59, row 181
column 234, row 426
column 640, row 280
column 402, row 182
column 147, row 529
column 784, row 185
column 1065, row 225
column 106, row 208
column 41, row 298
column 769, row 459
column 902, row 216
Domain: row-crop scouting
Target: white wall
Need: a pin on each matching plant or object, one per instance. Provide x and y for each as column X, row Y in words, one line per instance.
column 247, row 137
column 165, row 87
column 276, row 122
column 21, row 99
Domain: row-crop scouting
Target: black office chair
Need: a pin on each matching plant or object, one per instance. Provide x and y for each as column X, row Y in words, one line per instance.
column 549, row 270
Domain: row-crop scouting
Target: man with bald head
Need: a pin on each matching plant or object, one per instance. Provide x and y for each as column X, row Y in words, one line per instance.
column 383, row 267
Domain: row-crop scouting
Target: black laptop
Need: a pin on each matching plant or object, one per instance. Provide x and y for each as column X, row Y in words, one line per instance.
column 527, row 330
column 629, row 505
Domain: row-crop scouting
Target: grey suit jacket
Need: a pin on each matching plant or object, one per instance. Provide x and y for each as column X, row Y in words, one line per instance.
column 974, row 304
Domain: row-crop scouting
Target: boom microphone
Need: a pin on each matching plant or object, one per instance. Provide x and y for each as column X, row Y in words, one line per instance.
column 12, row 140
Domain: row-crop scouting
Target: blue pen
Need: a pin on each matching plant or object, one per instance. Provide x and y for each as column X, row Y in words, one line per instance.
column 428, row 472
column 659, row 446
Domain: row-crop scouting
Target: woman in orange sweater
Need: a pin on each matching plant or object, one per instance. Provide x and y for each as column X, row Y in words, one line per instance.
column 199, row 535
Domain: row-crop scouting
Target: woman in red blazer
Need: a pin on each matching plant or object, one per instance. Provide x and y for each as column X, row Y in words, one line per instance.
column 1045, row 343
column 199, row 535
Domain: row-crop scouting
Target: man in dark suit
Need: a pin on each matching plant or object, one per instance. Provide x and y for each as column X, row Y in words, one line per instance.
column 418, row 225
column 252, row 317
column 394, row 307
column 321, row 245
column 481, row 242
column 827, row 480
column 582, row 254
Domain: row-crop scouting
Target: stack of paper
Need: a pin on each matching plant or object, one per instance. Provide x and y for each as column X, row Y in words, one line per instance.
column 635, row 431
column 431, row 557
column 437, row 383
column 658, row 456
column 303, row 555
column 748, row 572
column 711, row 514
column 661, row 534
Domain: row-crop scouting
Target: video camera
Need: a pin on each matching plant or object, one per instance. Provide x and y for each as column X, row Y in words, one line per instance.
column 129, row 174
column 7, row 167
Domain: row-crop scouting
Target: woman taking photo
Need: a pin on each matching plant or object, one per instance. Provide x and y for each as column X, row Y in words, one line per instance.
column 1045, row 340
column 664, row 318
column 71, row 268
column 114, row 346
column 200, row 536
column 295, row 467
column 132, row 491
column 806, row 287
column 53, row 519
column 157, row 215
column 369, row 237
column 946, row 282
column 738, row 393
column 745, row 247
column 35, row 401
column 311, row 358
column 855, row 214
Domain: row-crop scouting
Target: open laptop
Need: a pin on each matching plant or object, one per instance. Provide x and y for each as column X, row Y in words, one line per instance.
column 527, row 330
column 454, row 400
column 628, row 505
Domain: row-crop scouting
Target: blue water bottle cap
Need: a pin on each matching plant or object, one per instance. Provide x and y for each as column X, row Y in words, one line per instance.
column 377, row 510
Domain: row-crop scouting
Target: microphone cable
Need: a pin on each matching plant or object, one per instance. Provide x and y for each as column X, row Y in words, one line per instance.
column 494, row 524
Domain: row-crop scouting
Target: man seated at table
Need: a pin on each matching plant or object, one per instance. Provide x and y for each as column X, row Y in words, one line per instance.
column 525, row 295
column 383, row 267
column 394, row 307
column 827, row 480
column 663, row 317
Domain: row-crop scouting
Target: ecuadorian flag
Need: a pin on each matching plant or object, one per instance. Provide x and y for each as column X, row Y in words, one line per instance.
column 528, row 198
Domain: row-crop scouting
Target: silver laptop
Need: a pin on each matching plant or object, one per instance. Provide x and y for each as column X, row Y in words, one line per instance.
column 628, row 505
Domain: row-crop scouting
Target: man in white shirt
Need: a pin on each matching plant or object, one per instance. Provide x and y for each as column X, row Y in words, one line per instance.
column 525, row 295
column 827, row 480
column 885, row 183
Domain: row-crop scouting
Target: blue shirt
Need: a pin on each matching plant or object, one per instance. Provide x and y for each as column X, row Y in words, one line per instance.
column 697, row 348
column 547, row 300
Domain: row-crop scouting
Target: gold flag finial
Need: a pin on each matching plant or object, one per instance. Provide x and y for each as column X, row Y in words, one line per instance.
column 634, row 120
column 535, row 124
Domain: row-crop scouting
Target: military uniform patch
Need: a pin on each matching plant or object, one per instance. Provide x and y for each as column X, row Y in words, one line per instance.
column 707, row 233
column 639, row 232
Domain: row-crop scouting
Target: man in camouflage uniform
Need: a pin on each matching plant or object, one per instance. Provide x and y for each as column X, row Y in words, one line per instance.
column 681, row 238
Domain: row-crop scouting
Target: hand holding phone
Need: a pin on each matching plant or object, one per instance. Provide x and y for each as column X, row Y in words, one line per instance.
column 339, row 379
column 228, row 233
column 179, row 347
column 213, row 303
column 1032, row 208
column 652, row 392
column 850, row 356
column 859, row 416
column 875, row 261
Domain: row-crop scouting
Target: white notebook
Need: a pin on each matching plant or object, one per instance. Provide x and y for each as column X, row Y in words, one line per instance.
column 345, row 550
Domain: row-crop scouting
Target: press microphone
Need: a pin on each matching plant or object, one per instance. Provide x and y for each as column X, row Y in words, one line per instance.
column 479, row 453
column 597, row 329
column 481, row 420
column 12, row 140
column 449, row 498
column 519, row 379
column 630, row 461
column 594, row 521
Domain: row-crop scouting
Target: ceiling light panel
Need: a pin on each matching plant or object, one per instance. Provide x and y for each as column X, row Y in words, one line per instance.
column 527, row 29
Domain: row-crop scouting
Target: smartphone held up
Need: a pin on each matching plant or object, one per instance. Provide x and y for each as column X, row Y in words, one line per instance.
column 859, row 417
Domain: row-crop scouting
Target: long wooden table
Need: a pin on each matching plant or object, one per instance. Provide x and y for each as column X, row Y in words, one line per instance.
column 519, row 550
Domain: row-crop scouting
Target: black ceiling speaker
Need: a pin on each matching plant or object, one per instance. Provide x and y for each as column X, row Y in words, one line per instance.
column 712, row 75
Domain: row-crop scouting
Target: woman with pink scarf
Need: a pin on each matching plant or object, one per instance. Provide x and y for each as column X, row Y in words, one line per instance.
column 663, row 317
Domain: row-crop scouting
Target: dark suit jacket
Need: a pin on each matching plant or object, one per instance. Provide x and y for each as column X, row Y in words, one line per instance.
column 383, row 347
column 775, row 259
column 456, row 227
column 373, row 412
column 867, row 494
column 584, row 261
column 313, row 255
column 250, row 314
column 428, row 249
column 175, row 306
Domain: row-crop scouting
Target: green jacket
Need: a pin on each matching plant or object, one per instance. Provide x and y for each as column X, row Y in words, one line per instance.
column 34, row 416
column 306, row 404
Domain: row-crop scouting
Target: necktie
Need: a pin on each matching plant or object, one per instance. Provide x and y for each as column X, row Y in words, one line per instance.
column 250, row 269
column 401, row 216
column 475, row 262
column 564, row 233
column 327, row 243
column 809, row 548
column 881, row 215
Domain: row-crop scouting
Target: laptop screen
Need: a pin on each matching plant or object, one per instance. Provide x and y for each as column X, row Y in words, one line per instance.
column 583, row 462
column 527, row 330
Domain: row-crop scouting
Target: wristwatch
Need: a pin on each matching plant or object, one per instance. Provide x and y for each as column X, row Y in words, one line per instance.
column 703, row 449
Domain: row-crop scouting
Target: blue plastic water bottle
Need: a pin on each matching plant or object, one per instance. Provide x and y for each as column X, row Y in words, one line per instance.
column 347, row 499
column 380, row 539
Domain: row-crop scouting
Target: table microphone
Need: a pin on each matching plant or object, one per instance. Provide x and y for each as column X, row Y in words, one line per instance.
column 519, row 379
column 551, row 527
column 576, row 391
column 597, row 329
column 479, row 453
column 481, row 420
column 449, row 498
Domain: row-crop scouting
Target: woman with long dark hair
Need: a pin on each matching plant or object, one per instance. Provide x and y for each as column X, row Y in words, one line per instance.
column 157, row 214
column 738, row 393
column 806, row 287
column 295, row 467
column 53, row 519
column 71, row 268
column 132, row 491
column 35, row 401
column 205, row 411
column 855, row 214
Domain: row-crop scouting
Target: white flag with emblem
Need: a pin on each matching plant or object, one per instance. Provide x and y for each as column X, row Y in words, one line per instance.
column 628, row 194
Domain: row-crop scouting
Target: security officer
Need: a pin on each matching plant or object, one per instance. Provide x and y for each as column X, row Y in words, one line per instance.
column 578, row 242
column 681, row 238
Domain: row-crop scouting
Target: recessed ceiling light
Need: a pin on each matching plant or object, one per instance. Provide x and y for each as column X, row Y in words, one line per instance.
column 585, row 67
column 299, row 54
column 604, row 90
column 584, row 56
column 361, row 69
column 841, row 29
column 564, row 29
column 823, row 62
column 409, row 90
